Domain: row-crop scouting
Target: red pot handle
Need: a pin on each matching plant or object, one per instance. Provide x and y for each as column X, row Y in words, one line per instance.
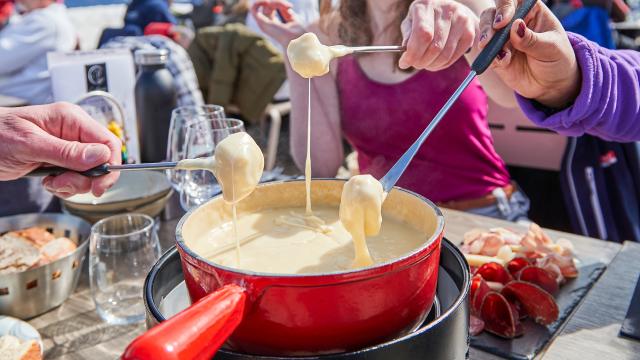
column 194, row 333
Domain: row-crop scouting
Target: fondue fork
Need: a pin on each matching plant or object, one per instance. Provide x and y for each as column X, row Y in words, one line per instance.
column 103, row 169
column 373, row 49
column 481, row 64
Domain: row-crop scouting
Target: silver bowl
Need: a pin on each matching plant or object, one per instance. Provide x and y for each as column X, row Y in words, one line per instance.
column 32, row 292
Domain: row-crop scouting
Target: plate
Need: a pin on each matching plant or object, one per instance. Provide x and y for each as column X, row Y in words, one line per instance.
column 153, row 209
column 536, row 336
column 20, row 329
column 133, row 189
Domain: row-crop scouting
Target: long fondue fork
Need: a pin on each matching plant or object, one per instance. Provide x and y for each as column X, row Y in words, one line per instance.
column 372, row 49
column 103, row 169
column 481, row 64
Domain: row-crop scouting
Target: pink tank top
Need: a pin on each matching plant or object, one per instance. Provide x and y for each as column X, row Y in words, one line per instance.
column 381, row 121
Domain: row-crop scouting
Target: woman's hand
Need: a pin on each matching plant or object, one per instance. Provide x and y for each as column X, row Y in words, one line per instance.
column 437, row 33
column 538, row 61
column 276, row 19
column 61, row 135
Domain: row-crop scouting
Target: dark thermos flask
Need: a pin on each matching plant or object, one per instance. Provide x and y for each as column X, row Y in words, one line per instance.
column 155, row 94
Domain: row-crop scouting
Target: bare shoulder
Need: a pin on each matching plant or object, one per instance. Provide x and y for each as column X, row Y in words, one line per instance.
column 326, row 28
column 327, row 31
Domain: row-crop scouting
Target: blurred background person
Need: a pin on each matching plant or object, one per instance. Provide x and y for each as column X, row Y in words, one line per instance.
column 39, row 27
column 140, row 14
column 6, row 9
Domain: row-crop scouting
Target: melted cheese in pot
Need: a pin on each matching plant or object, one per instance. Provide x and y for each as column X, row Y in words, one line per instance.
column 268, row 245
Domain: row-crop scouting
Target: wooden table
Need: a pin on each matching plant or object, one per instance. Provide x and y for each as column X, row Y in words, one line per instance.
column 457, row 223
column 74, row 330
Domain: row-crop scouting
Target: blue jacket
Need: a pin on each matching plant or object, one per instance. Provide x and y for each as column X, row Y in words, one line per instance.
column 591, row 22
column 140, row 13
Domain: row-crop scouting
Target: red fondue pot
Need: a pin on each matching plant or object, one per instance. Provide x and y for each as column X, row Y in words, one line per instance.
column 286, row 315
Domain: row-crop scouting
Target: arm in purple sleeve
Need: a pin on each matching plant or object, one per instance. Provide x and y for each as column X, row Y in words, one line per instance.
column 608, row 105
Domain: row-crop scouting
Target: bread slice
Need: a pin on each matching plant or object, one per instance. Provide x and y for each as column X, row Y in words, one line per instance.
column 12, row 348
column 57, row 249
column 17, row 253
column 36, row 235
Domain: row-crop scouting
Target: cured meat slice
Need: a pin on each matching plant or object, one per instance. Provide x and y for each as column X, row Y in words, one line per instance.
column 540, row 277
column 494, row 272
column 565, row 263
column 535, row 301
column 479, row 289
column 498, row 316
column 510, row 237
column 517, row 264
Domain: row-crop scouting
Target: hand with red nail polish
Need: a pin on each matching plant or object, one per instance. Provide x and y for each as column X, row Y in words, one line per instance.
column 538, row 61
column 58, row 134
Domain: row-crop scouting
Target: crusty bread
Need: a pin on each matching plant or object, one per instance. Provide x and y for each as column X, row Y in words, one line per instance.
column 12, row 348
column 17, row 254
column 36, row 235
column 31, row 248
column 57, row 249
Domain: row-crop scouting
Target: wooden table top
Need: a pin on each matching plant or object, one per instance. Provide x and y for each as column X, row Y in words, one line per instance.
column 74, row 330
column 457, row 223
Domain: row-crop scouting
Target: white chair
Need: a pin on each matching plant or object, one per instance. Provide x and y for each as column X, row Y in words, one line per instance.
column 271, row 117
column 273, row 114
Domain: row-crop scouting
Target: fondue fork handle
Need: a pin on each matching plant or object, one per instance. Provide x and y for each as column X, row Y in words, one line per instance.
column 372, row 49
column 196, row 332
column 481, row 64
column 102, row 169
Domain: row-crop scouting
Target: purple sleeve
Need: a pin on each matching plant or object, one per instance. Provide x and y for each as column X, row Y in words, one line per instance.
column 608, row 105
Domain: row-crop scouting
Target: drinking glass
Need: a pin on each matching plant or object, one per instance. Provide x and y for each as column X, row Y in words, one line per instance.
column 202, row 137
column 122, row 249
column 180, row 117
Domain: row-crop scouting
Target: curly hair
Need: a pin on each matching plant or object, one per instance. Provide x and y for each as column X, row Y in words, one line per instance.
column 352, row 20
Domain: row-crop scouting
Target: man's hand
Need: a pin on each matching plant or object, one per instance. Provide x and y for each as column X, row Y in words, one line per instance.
column 59, row 134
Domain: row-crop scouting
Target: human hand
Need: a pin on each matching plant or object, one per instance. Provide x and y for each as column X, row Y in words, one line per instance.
column 59, row 134
column 538, row 61
column 436, row 33
column 280, row 29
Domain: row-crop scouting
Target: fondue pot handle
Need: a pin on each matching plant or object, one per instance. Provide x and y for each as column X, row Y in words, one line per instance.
column 194, row 333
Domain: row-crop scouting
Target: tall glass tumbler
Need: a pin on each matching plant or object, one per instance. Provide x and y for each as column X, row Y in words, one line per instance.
column 122, row 250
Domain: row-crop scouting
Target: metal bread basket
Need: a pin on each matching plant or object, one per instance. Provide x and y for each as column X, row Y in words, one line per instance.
column 35, row 291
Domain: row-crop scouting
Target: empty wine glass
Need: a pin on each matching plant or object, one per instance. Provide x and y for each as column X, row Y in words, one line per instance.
column 122, row 250
column 202, row 137
column 180, row 117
